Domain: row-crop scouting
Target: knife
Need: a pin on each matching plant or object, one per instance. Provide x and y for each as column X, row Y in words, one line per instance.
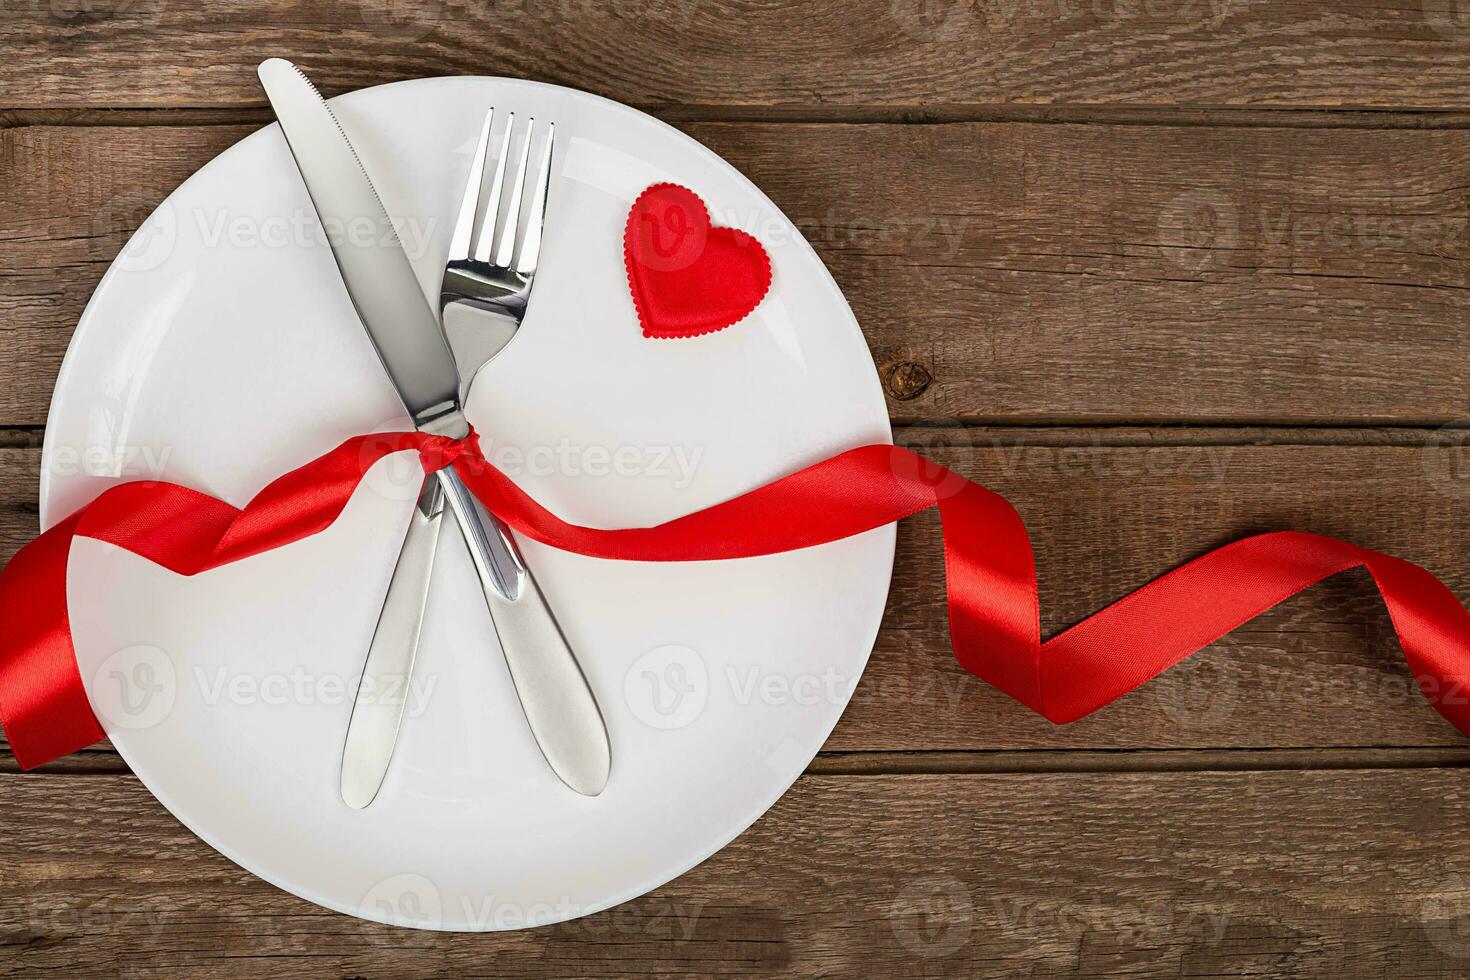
column 416, row 355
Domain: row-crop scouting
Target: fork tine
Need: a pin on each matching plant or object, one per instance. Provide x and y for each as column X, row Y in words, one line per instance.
column 487, row 230
column 507, row 245
column 464, row 225
column 530, row 251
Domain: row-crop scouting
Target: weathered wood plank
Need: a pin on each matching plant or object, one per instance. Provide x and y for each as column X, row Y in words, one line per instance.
column 1322, row 670
column 1180, row 874
column 1054, row 273
column 842, row 53
column 1002, row 272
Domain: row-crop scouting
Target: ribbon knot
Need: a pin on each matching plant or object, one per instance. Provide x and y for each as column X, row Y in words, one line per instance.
column 438, row 452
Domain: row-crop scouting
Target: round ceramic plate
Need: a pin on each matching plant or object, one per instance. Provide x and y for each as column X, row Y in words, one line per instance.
column 221, row 350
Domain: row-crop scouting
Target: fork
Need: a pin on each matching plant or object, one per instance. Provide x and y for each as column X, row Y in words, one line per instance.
column 484, row 297
column 483, row 300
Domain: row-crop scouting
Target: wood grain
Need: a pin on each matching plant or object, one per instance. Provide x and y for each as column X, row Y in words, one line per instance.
column 910, row 55
column 1002, row 272
column 1181, row 874
column 1323, row 670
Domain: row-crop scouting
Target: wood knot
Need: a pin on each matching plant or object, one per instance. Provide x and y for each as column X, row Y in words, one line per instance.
column 907, row 381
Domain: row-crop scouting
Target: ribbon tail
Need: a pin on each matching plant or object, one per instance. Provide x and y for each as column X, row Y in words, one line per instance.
column 994, row 612
column 43, row 704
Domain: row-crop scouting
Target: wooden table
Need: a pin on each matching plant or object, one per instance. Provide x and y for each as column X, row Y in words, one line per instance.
column 1165, row 274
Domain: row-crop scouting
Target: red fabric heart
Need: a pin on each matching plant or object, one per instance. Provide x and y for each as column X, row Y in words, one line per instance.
column 688, row 277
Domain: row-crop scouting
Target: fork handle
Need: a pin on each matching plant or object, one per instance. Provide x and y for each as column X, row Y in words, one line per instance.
column 560, row 708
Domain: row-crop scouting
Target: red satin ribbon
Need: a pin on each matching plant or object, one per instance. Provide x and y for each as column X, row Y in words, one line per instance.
column 991, row 577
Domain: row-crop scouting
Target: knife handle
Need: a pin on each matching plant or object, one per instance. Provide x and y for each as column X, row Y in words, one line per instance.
column 559, row 705
column 372, row 730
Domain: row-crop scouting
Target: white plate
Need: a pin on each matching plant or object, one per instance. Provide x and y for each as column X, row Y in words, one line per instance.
column 221, row 351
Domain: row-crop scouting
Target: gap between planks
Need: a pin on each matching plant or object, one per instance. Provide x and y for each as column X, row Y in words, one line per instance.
column 1284, row 117
column 1064, row 434
column 1031, row 761
column 103, row 761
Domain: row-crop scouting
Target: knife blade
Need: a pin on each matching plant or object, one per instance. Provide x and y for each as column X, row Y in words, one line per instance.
column 384, row 289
